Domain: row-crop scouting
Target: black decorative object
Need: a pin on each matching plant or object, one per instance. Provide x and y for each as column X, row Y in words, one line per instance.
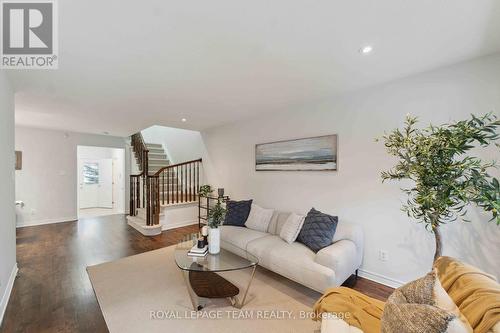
column 201, row 243
column 220, row 191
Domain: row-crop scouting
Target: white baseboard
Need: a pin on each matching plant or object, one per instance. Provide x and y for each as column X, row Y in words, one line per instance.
column 178, row 225
column 47, row 221
column 387, row 281
column 8, row 290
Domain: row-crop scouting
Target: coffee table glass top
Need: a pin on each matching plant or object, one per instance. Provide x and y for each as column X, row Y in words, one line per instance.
column 223, row 261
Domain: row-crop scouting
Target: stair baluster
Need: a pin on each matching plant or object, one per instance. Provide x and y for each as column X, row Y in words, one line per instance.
column 168, row 189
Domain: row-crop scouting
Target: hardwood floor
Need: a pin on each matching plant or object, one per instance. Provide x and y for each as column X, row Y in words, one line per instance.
column 52, row 292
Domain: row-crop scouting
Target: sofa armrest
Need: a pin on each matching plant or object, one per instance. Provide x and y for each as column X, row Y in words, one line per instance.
column 342, row 257
column 352, row 232
column 330, row 324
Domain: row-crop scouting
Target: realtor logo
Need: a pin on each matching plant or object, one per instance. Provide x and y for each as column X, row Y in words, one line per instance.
column 29, row 34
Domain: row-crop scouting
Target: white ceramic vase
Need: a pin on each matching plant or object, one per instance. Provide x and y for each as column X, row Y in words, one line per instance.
column 213, row 240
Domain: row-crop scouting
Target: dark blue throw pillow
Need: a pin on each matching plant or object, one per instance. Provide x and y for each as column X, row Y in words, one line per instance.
column 318, row 230
column 237, row 212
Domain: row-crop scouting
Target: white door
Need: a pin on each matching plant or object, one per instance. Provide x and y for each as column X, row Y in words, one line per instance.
column 118, row 187
column 106, row 183
column 89, row 183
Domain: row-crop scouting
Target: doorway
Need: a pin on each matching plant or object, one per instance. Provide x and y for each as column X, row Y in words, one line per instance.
column 101, row 181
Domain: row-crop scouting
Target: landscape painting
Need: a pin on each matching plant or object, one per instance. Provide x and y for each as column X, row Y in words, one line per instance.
column 309, row 154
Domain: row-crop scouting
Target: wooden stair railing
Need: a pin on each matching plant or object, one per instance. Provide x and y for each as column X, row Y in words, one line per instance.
column 141, row 151
column 142, row 154
column 172, row 184
column 178, row 183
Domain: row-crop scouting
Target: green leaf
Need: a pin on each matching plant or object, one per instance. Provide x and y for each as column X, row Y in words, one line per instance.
column 445, row 178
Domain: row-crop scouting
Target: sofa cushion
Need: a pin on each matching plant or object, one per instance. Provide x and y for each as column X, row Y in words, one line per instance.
column 318, row 230
column 292, row 227
column 294, row 261
column 259, row 218
column 237, row 212
column 277, row 222
column 233, row 248
column 239, row 237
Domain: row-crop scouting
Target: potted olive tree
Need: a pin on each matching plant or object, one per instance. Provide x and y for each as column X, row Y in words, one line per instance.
column 445, row 177
column 215, row 219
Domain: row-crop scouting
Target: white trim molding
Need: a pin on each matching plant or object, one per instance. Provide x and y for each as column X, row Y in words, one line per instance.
column 48, row 221
column 8, row 291
column 387, row 281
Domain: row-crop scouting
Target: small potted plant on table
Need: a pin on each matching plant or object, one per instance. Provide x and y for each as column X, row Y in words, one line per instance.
column 215, row 218
column 205, row 190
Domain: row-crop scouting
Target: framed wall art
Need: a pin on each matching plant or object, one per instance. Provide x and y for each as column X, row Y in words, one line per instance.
column 307, row 154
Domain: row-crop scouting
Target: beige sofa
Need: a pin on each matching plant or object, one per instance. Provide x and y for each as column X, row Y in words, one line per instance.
column 330, row 267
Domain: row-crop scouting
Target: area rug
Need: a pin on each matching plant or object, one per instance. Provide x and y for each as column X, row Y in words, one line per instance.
column 147, row 293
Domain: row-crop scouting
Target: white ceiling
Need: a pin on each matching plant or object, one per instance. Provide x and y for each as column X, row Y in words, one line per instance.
column 125, row 65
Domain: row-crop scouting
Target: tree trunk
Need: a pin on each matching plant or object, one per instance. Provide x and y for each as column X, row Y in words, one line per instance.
column 437, row 236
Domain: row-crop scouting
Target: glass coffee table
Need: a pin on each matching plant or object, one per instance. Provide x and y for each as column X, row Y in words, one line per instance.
column 202, row 280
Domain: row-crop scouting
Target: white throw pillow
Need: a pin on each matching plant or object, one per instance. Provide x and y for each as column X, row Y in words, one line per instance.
column 259, row 218
column 292, row 227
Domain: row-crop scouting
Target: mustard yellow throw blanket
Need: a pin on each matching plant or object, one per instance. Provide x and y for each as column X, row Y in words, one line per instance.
column 476, row 294
column 351, row 306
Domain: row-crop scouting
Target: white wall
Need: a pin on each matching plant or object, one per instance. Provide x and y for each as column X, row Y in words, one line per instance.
column 355, row 193
column 179, row 216
column 91, row 152
column 8, row 267
column 181, row 145
column 48, row 182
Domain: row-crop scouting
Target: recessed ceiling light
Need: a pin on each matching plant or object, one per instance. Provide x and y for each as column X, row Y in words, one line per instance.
column 183, row 120
column 366, row 49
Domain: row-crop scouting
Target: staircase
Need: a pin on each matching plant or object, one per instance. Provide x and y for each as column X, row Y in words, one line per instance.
column 157, row 157
column 159, row 187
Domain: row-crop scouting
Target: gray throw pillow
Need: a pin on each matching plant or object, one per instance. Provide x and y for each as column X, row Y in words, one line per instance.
column 318, row 230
